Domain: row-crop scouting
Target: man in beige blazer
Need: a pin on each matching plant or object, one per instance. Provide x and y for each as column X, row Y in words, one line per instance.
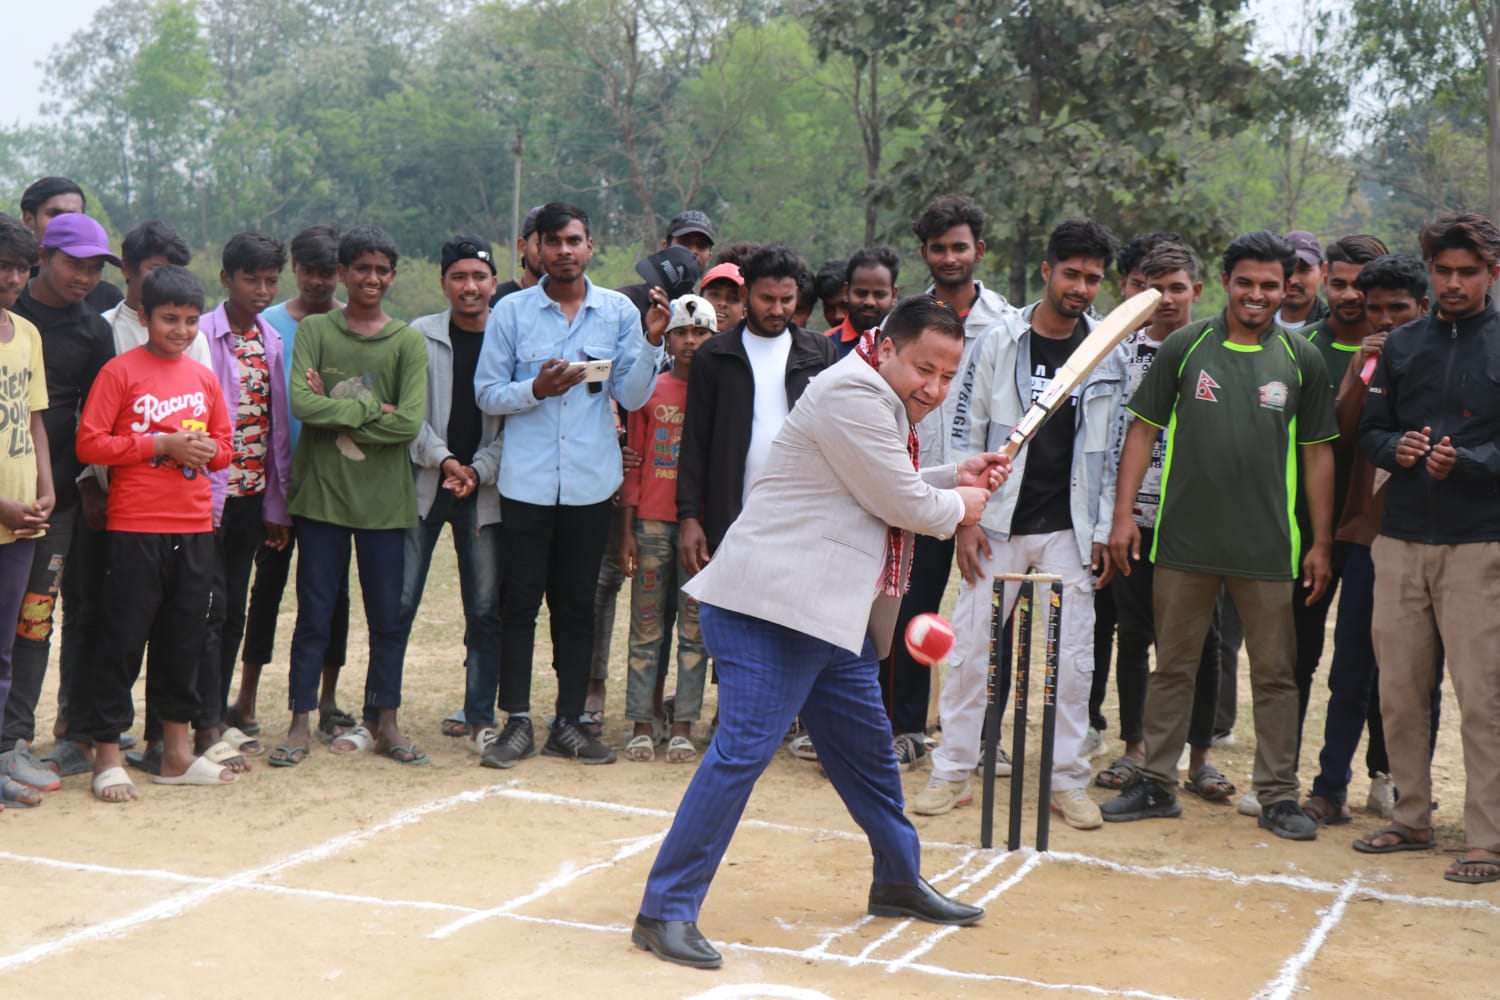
column 799, row 601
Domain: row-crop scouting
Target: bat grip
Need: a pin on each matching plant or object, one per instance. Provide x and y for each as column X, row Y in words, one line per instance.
column 1368, row 371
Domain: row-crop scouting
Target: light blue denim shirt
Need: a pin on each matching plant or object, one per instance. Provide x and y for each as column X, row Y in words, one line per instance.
column 562, row 450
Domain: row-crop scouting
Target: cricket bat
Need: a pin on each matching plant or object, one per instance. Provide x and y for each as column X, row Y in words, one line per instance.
column 1123, row 320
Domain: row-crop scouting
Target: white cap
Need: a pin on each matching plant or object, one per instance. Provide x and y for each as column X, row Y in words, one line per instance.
column 693, row 310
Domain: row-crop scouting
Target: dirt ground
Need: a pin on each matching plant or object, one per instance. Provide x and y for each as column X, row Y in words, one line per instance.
column 357, row 875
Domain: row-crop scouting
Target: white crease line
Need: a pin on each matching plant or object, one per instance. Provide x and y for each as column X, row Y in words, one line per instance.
column 184, row 901
column 1197, row 871
column 1435, row 901
column 548, row 798
column 1285, row 984
column 629, row 850
column 828, row 939
column 92, row 869
column 281, row 890
column 938, row 970
column 901, row 926
column 935, row 937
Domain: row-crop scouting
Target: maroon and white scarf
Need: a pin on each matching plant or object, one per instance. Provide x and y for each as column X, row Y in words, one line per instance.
column 896, row 575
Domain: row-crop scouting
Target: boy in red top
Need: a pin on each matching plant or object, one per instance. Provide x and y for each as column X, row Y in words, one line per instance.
column 159, row 419
column 648, row 545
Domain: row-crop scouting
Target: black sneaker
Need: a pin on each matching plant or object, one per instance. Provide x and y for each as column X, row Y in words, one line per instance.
column 911, row 750
column 569, row 739
column 1287, row 820
column 1141, row 798
column 516, row 742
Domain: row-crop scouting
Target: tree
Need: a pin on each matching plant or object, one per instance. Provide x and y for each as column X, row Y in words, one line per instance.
column 1438, row 54
column 1061, row 106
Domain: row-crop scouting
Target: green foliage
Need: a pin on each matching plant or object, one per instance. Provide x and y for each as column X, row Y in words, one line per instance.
column 819, row 125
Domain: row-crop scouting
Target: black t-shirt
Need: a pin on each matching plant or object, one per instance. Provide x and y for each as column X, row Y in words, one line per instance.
column 1044, row 504
column 501, row 291
column 103, row 298
column 464, row 419
column 76, row 343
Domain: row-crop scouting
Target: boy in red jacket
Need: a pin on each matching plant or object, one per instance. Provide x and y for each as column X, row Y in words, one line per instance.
column 159, row 420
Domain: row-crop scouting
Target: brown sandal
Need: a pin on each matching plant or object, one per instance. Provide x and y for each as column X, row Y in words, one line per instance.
column 1326, row 813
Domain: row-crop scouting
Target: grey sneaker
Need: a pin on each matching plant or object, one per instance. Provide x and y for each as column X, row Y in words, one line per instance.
column 1140, row 798
column 18, row 765
column 569, row 739
column 1002, row 764
column 1287, row 820
column 515, row 742
column 911, row 750
column 1382, row 797
column 1249, row 804
column 1093, row 744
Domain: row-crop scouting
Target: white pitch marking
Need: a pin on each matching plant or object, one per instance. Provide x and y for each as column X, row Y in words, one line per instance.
column 279, row 890
column 548, row 798
column 1285, row 984
column 932, row 939
column 1196, row 871
column 751, row 991
column 190, row 899
column 92, row 869
column 629, row 850
column 828, row 939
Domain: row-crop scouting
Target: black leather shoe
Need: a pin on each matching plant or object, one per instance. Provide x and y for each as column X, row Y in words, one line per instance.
column 675, row 941
column 921, row 901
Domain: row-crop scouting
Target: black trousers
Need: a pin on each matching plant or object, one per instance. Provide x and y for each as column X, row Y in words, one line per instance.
column 906, row 685
column 1104, row 648
column 157, row 589
column 1311, row 625
column 550, row 552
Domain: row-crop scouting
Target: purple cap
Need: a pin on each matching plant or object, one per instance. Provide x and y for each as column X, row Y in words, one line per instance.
column 78, row 235
column 1309, row 250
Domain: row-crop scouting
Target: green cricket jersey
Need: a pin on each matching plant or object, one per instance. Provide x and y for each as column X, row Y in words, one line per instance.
column 1234, row 415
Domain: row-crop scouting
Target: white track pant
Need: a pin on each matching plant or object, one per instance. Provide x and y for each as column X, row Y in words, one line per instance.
column 963, row 698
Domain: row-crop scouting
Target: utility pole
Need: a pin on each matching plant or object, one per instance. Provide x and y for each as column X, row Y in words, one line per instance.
column 515, row 207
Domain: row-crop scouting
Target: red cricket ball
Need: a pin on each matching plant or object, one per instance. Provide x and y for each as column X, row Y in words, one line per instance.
column 929, row 638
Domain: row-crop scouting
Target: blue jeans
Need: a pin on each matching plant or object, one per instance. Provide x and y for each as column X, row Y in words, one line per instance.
column 321, row 564
column 478, row 552
column 659, row 578
column 768, row 674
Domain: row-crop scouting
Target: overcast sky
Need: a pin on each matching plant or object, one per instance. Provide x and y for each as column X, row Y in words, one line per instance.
column 44, row 25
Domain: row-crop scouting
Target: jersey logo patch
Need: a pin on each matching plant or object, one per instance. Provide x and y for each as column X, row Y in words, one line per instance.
column 1206, row 387
column 1273, row 396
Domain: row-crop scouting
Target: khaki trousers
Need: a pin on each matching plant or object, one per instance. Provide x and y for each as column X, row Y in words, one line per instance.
column 1184, row 607
column 1426, row 594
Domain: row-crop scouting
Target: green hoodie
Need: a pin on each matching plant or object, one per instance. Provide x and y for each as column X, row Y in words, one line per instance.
column 352, row 466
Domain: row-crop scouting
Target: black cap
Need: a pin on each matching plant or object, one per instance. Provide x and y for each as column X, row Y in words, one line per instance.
column 691, row 221
column 674, row 270
column 467, row 246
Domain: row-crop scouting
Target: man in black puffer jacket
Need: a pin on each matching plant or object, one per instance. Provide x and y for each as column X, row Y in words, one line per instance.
column 1432, row 422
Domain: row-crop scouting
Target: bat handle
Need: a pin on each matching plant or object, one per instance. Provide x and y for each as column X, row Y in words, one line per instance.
column 1368, row 371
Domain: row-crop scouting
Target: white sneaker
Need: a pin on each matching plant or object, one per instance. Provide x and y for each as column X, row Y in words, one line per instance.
column 942, row 796
column 1249, row 804
column 1382, row 797
column 480, row 742
column 1223, row 739
column 1002, row 764
column 1078, row 810
column 1093, row 744
column 1185, row 758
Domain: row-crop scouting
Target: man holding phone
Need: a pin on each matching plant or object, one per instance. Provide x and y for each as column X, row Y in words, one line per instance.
column 559, row 468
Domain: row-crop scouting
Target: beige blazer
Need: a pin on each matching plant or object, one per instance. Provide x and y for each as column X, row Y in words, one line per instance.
column 808, row 549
